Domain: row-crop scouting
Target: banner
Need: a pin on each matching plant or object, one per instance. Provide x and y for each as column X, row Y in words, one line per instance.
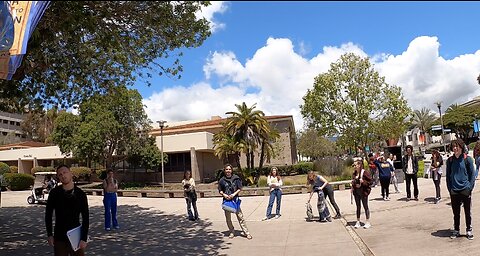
column 24, row 17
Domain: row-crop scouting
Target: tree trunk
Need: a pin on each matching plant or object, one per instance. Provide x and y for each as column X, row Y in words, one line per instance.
column 248, row 159
column 262, row 156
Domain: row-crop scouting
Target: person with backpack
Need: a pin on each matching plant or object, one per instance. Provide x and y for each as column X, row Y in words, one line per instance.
column 410, row 168
column 317, row 184
column 436, row 171
column 110, row 187
column 229, row 186
column 460, row 178
column 190, row 195
column 361, row 181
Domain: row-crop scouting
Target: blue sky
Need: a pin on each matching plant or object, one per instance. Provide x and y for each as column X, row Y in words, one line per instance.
column 268, row 53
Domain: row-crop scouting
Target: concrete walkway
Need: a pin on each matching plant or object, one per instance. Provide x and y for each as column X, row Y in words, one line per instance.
column 158, row 226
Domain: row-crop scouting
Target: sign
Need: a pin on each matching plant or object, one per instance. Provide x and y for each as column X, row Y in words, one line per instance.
column 436, row 127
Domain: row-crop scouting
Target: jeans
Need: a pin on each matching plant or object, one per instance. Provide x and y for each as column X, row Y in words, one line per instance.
column 408, row 179
column 110, row 204
column 385, row 182
column 328, row 192
column 358, row 194
column 276, row 193
column 437, row 184
column 241, row 221
column 190, row 203
column 457, row 200
column 395, row 182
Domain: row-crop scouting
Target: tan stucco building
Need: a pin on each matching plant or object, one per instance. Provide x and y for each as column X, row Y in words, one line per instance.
column 190, row 147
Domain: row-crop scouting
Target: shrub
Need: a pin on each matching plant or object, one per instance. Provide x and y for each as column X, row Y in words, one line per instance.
column 42, row 169
column 4, row 168
column 81, row 173
column 101, row 173
column 303, row 167
column 19, row 181
column 13, row 169
column 421, row 167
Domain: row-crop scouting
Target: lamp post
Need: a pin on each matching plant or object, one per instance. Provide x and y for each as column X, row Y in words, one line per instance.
column 161, row 123
column 439, row 105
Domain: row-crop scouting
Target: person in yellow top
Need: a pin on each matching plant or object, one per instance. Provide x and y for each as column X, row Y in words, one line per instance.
column 274, row 182
column 190, row 195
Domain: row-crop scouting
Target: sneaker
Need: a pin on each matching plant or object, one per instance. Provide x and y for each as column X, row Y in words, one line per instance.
column 265, row 218
column 408, row 199
column 116, row 227
column 323, row 220
column 231, row 235
column 329, row 219
column 388, row 198
column 384, row 198
column 367, row 225
column 470, row 235
column 357, row 225
column 338, row 216
column 277, row 216
column 108, row 229
column 416, row 198
column 454, row 234
column 249, row 237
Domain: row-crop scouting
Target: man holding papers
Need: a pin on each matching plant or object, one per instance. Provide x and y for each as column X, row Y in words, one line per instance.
column 68, row 201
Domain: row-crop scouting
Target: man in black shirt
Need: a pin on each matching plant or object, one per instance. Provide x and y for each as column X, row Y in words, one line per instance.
column 68, row 201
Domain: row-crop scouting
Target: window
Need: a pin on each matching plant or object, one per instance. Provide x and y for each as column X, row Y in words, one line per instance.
column 178, row 162
column 17, row 123
column 12, row 122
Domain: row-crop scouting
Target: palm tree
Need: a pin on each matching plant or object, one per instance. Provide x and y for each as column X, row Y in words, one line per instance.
column 267, row 150
column 452, row 107
column 248, row 126
column 225, row 145
column 423, row 119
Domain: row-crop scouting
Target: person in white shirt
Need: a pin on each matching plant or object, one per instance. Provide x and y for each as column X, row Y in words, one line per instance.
column 410, row 168
column 190, row 195
column 274, row 182
column 394, row 180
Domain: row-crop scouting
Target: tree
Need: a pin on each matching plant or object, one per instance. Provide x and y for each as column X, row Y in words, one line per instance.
column 452, row 107
column 106, row 124
column 314, row 146
column 248, row 127
column 460, row 120
column 423, row 119
column 38, row 124
column 352, row 101
column 225, row 145
column 80, row 48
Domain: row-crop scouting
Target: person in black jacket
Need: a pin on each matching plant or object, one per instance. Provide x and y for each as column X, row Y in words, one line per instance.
column 69, row 202
column 410, row 168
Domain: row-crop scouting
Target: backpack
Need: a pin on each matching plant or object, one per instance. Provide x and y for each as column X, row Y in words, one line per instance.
column 309, row 212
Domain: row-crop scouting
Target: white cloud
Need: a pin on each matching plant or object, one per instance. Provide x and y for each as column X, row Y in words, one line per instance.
column 276, row 77
column 209, row 12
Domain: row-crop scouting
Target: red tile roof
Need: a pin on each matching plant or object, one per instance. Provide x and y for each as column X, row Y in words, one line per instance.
column 25, row 144
column 209, row 123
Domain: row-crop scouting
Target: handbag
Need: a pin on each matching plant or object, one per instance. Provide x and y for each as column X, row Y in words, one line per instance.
column 231, row 205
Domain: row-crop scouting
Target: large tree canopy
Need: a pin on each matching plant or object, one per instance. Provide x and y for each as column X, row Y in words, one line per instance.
column 354, row 102
column 83, row 47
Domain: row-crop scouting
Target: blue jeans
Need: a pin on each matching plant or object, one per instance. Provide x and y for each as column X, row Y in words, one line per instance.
column 278, row 194
column 110, row 204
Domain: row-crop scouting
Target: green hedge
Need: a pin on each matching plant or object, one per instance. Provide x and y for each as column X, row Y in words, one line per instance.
column 42, row 169
column 19, row 181
column 81, row 173
column 13, row 169
column 4, row 168
column 421, row 167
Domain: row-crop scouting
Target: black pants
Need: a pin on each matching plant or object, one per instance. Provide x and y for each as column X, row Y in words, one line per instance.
column 364, row 200
column 437, row 186
column 385, row 182
column 408, row 179
column 457, row 200
column 328, row 191
column 192, row 202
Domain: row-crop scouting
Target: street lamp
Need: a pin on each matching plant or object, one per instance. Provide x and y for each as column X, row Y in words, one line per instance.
column 161, row 123
column 439, row 105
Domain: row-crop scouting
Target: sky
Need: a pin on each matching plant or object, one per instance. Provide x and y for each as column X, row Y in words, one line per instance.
column 268, row 53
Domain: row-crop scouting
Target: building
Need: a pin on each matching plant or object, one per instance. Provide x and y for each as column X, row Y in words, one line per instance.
column 10, row 124
column 190, row 147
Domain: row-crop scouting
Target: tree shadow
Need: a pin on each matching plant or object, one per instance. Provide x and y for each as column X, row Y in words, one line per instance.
column 442, row 233
column 143, row 232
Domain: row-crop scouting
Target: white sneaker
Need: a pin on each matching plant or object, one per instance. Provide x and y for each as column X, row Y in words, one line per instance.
column 357, row 225
column 388, row 198
column 367, row 225
column 277, row 216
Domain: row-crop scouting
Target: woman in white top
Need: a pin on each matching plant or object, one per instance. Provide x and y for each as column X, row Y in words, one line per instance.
column 274, row 182
column 190, row 195
column 436, row 171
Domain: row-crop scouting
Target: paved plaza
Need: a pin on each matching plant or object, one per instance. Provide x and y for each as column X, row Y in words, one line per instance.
column 158, row 226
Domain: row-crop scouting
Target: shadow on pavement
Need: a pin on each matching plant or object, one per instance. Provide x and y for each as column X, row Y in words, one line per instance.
column 430, row 199
column 143, row 232
column 442, row 233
